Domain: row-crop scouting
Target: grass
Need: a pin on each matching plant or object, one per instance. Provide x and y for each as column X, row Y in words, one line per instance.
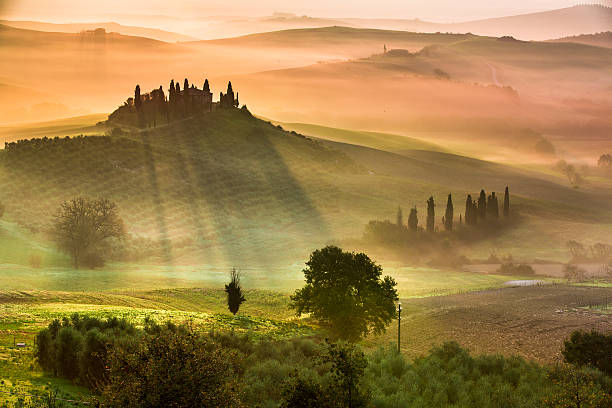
column 23, row 314
column 380, row 141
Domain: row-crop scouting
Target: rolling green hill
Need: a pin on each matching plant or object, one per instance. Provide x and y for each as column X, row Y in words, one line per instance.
column 228, row 189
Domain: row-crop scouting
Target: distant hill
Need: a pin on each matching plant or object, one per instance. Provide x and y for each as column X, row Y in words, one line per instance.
column 475, row 84
column 597, row 40
column 110, row 27
column 335, row 41
column 582, row 19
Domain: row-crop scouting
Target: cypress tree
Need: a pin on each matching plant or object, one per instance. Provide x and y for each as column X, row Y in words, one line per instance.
column 206, row 86
column 229, row 88
column 468, row 210
column 186, row 84
column 400, row 217
column 482, row 205
column 506, row 203
column 495, row 206
column 448, row 215
column 137, row 100
column 413, row 220
column 431, row 215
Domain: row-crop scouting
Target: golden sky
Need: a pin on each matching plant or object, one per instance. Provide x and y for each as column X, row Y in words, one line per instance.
column 433, row 10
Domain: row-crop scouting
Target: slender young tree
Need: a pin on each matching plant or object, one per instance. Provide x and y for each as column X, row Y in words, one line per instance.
column 448, row 215
column 400, row 217
column 506, row 203
column 482, row 205
column 234, row 292
column 413, row 219
column 431, row 215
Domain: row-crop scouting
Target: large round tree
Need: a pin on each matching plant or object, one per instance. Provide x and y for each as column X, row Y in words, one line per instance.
column 346, row 292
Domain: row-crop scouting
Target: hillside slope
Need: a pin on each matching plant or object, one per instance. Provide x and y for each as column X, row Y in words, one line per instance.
column 228, row 189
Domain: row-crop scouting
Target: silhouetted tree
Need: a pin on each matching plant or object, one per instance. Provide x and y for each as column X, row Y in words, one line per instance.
column 413, row 220
column 448, row 215
column 506, row 203
column 494, row 206
column 83, row 226
column 471, row 211
column 234, row 292
column 400, row 217
column 237, row 101
column 482, row 205
column 137, row 100
column 346, row 292
column 206, row 86
column 431, row 215
column 186, row 84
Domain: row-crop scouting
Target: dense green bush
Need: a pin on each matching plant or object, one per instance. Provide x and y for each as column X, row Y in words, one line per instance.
column 77, row 348
column 589, row 349
column 515, row 269
column 174, row 367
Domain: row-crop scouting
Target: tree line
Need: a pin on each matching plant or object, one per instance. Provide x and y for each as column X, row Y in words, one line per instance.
column 483, row 209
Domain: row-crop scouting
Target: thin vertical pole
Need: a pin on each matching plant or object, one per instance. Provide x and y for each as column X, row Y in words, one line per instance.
column 399, row 321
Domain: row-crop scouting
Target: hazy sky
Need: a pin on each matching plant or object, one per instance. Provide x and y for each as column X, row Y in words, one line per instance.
column 435, row 10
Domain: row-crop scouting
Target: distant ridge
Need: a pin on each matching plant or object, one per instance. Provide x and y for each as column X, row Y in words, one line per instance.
column 597, row 40
column 153, row 33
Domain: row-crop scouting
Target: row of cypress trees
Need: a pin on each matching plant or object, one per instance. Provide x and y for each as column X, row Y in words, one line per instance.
column 486, row 208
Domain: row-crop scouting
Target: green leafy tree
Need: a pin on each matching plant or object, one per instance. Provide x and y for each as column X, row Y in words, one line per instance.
column 173, row 368
column 348, row 364
column 346, row 292
column 431, row 215
column 592, row 349
column 448, row 215
column 234, row 292
column 83, row 227
column 413, row 219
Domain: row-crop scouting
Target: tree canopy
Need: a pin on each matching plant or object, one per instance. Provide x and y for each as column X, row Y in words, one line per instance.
column 347, row 293
column 83, row 226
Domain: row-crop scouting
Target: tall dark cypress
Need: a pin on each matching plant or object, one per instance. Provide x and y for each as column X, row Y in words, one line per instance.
column 448, row 215
column 495, row 205
column 206, row 86
column 400, row 217
column 482, row 205
column 413, row 219
column 137, row 100
column 506, row 203
column 186, row 84
column 468, row 209
column 431, row 215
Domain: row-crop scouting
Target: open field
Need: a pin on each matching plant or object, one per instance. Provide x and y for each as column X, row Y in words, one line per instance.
column 528, row 321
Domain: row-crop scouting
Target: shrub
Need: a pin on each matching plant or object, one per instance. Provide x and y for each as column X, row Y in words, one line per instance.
column 589, row 349
column 174, row 368
column 573, row 273
column 515, row 269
